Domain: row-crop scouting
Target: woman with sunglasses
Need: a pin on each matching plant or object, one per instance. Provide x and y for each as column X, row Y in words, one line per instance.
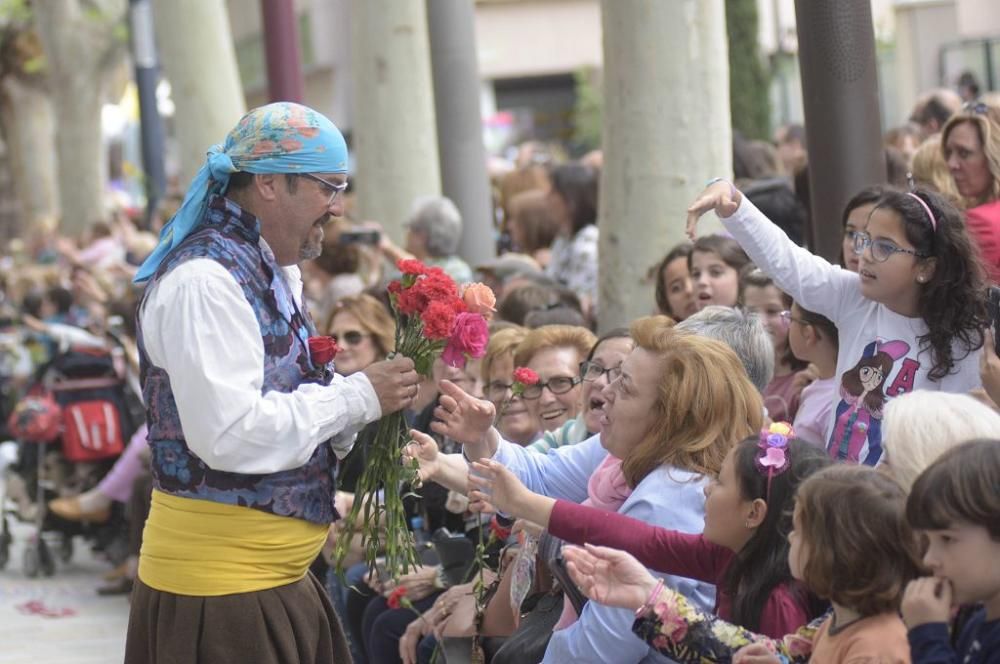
column 364, row 330
column 971, row 145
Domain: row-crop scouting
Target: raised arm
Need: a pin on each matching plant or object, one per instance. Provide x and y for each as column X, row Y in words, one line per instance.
column 811, row 280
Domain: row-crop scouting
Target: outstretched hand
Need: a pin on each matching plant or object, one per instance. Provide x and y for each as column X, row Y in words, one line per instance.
column 609, row 576
column 720, row 196
column 425, row 451
column 462, row 417
column 496, row 489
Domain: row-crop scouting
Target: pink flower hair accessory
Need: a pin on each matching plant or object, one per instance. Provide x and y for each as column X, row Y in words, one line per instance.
column 773, row 458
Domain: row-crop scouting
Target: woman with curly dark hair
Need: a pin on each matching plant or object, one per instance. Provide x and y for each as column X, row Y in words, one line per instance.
column 912, row 317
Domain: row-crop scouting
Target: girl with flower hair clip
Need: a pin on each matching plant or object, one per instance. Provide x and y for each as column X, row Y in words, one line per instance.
column 743, row 549
column 851, row 544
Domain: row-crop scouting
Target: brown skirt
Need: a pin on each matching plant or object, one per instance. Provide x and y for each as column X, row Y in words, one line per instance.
column 293, row 624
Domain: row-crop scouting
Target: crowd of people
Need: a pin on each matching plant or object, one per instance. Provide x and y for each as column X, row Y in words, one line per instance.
column 786, row 459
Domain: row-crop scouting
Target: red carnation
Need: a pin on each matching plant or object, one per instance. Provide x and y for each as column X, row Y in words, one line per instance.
column 395, row 287
column 397, row 598
column 436, row 286
column 322, row 349
column 496, row 530
column 525, row 376
column 410, row 301
column 411, row 266
column 438, row 318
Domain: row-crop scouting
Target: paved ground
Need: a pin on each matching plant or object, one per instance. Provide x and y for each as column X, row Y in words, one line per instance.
column 93, row 633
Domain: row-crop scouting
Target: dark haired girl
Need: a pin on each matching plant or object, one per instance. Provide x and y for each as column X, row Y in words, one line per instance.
column 919, row 290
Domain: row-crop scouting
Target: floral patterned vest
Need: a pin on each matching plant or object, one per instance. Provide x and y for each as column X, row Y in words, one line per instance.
column 231, row 237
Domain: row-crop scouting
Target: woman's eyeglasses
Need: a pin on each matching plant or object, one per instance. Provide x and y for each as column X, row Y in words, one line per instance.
column 557, row 385
column 881, row 249
column 497, row 391
column 591, row 371
column 350, row 338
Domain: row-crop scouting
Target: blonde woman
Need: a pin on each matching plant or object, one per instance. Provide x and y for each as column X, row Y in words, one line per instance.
column 681, row 402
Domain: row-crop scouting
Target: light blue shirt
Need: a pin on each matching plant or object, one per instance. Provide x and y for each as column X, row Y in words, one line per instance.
column 667, row 497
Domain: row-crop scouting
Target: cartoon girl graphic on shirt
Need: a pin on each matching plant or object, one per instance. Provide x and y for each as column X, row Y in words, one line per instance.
column 857, row 431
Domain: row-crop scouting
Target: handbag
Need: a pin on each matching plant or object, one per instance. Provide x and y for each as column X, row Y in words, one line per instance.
column 528, row 642
column 550, row 550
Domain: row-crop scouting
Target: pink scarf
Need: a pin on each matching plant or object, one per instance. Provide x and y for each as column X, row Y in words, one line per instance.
column 607, row 490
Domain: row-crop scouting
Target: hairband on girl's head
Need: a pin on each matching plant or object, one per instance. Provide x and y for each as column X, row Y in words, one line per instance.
column 773, row 458
column 927, row 209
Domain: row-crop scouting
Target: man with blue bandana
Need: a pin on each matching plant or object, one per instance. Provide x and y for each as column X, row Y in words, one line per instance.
column 244, row 424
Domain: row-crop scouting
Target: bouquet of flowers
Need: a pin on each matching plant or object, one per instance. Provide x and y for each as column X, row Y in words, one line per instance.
column 433, row 319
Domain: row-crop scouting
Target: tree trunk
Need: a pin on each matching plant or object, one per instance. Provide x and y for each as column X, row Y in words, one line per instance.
column 666, row 131
column 29, row 132
column 81, row 47
column 395, row 138
column 196, row 48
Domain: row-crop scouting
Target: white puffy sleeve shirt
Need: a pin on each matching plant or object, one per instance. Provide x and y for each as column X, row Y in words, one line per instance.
column 199, row 328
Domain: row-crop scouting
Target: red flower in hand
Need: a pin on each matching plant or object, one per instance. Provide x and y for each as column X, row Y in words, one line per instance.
column 525, row 376
column 439, row 319
column 322, row 349
column 397, row 598
column 501, row 533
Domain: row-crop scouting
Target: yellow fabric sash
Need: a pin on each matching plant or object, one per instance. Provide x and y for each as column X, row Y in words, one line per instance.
column 205, row 549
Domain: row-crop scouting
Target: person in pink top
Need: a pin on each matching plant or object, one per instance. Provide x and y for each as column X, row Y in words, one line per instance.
column 744, row 547
column 971, row 144
column 814, row 339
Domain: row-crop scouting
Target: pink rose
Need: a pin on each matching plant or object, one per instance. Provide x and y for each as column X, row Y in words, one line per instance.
column 469, row 337
column 479, row 299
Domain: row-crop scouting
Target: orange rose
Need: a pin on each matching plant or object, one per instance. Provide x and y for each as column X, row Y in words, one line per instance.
column 479, row 299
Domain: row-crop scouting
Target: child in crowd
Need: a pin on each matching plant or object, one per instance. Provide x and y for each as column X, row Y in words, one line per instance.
column 855, row 218
column 744, row 547
column 955, row 505
column 760, row 296
column 813, row 339
column 912, row 318
column 715, row 265
column 850, row 544
column 674, row 291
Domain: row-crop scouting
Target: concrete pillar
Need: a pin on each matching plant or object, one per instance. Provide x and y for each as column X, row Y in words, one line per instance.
column 201, row 67
column 395, row 137
column 666, row 132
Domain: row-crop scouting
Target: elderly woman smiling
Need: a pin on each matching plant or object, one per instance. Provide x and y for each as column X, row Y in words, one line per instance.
column 679, row 404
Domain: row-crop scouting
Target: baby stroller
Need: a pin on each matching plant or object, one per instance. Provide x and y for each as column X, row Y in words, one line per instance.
column 70, row 428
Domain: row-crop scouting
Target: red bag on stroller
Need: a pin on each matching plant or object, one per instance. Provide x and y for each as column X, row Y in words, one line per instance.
column 80, row 398
column 36, row 419
column 92, row 430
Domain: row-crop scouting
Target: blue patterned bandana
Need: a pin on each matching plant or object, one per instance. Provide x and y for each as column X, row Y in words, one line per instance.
column 277, row 138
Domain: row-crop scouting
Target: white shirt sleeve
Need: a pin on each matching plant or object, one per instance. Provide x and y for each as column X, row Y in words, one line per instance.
column 199, row 328
column 812, row 282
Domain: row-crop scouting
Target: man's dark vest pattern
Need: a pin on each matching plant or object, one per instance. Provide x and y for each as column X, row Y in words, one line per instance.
column 231, row 237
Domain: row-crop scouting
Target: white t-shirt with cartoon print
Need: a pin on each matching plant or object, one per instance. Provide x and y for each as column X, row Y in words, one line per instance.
column 879, row 354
